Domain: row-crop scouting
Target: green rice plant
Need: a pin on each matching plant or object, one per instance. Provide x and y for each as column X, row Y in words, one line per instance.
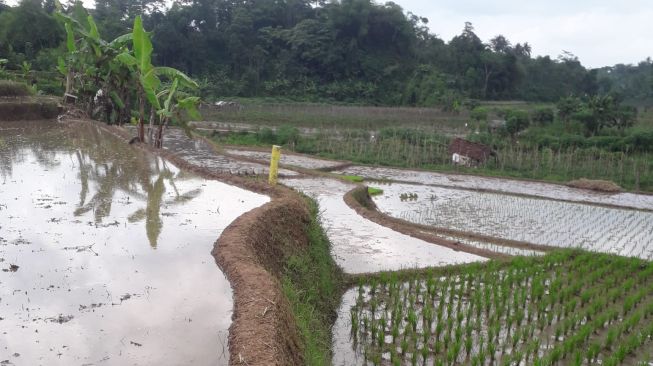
column 394, row 359
column 352, row 178
column 610, row 338
column 468, row 345
column 404, row 346
column 425, row 352
column 491, row 350
column 381, row 338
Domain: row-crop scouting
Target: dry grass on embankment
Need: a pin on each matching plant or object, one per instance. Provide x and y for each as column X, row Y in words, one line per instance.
column 286, row 286
column 595, row 185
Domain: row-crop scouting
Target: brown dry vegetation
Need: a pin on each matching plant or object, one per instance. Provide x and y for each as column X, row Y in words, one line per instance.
column 595, row 185
column 251, row 252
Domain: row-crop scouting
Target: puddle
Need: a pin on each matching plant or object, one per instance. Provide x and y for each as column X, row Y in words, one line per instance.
column 113, row 252
column 288, row 159
column 362, row 246
column 532, row 220
column 538, row 189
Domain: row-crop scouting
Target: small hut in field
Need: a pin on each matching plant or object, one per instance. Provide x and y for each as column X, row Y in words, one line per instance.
column 469, row 153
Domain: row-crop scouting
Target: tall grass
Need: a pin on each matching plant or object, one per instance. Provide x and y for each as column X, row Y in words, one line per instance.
column 312, row 282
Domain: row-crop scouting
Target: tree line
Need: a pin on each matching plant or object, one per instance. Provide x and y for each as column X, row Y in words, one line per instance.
column 347, row 50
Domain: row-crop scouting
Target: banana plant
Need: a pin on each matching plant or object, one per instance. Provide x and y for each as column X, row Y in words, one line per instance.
column 91, row 62
column 124, row 74
column 166, row 102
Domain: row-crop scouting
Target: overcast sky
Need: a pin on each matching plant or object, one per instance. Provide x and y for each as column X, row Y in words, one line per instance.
column 599, row 32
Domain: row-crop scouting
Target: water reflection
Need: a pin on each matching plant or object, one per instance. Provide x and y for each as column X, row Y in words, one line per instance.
column 104, row 163
column 80, row 213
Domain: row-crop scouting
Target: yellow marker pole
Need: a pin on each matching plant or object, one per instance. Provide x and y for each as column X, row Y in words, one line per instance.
column 274, row 164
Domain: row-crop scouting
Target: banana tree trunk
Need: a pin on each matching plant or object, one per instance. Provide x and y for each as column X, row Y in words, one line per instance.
column 69, row 82
column 141, row 110
column 150, row 129
column 159, row 134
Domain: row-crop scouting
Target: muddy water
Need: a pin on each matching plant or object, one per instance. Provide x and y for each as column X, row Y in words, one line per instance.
column 362, row 246
column 105, row 253
column 288, row 159
column 198, row 152
column 537, row 221
column 538, row 189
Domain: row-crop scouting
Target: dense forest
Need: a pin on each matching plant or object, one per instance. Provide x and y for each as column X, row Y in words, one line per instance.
column 348, row 50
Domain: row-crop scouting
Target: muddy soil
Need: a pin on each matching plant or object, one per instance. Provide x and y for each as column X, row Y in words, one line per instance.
column 362, row 246
column 500, row 185
column 288, row 158
column 200, row 153
column 107, row 251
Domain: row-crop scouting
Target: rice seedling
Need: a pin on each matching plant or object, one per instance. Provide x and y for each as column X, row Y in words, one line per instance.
column 559, row 308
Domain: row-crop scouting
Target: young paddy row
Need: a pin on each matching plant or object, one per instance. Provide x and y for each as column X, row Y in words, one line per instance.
column 568, row 307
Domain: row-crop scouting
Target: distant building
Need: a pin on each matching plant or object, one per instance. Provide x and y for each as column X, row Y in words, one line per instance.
column 469, row 153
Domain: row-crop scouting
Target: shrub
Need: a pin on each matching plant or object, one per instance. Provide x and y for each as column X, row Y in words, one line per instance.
column 516, row 121
column 287, row 135
column 640, row 141
column 266, row 135
column 543, row 115
column 479, row 114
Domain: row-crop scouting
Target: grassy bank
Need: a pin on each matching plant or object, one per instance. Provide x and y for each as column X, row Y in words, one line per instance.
column 313, row 284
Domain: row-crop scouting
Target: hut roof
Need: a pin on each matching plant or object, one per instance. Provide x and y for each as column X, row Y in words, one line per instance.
column 473, row 150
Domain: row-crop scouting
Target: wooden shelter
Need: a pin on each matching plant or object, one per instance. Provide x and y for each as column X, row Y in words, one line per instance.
column 468, row 153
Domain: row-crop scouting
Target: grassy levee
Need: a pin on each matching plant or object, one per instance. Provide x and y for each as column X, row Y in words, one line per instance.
column 313, row 284
column 286, row 285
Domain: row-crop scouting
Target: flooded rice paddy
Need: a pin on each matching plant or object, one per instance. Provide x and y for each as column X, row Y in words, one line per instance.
column 200, row 153
column 362, row 246
column 536, row 189
column 301, row 161
column 538, row 221
column 105, row 252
